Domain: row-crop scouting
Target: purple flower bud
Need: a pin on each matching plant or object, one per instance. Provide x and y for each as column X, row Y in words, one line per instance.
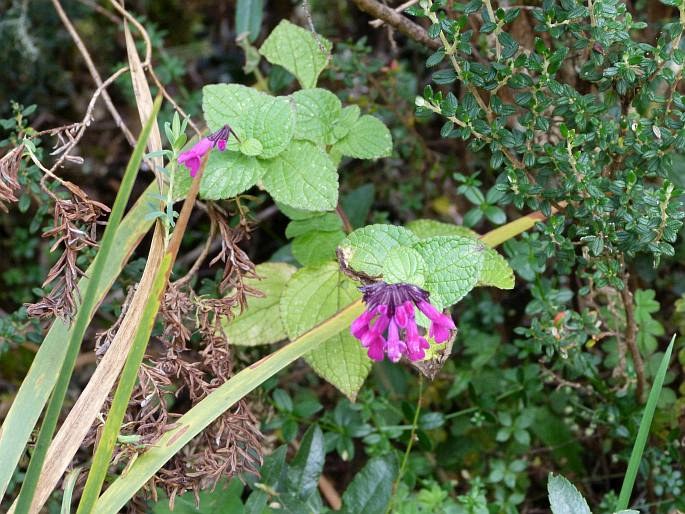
column 192, row 159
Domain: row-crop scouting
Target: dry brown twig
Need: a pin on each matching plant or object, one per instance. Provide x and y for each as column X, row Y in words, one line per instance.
column 631, row 335
column 397, row 21
column 9, row 169
column 93, row 71
column 378, row 23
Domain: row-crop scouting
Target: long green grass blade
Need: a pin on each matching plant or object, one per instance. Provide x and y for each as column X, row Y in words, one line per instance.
column 127, row 382
column 82, row 319
column 643, row 431
column 40, row 380
column 209, row 409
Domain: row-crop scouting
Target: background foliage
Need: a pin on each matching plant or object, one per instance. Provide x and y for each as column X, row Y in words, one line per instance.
column 570, row 108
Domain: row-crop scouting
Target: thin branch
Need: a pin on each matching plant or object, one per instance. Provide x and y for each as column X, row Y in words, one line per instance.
column 397, row 21
column 89, row 115
column 377, row 23
column 347, row 226
column 329, row 492
column 491, row 14
column 140, row 28
column 562, row 382
column 201, row 258
column 171, row 100
column 101, row 10
column 631, row 335
column 93, row 72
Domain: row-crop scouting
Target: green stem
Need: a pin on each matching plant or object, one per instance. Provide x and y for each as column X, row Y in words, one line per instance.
column 410, row 444
column 54, row 408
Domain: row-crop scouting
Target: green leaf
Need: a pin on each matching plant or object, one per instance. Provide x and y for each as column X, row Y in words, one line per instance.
column 261, row 322
column 226, row 175
column 248, row 18
column 306, row 467
column 302, row 53
column 368, row 138
column 404, row 265
column 371, row 488
column 312, row 295
column 453, row 266
column 224, row 498
column 564, row 498
column 496, row 271
column 357, row 204
column 552, row 431
column 251, row 147
column 367, row 248
column 323, row 222
column 430, row 228
column 348, row 117
column 318, row 247
column 252, row 115
column 343, row 362
column 296, row 214
column 317, row 112
column 272, row 475
column 302, row 176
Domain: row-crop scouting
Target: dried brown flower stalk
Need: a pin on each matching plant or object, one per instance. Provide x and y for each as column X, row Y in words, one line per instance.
column 75, row 228
column 9, row 170
column 237, row 264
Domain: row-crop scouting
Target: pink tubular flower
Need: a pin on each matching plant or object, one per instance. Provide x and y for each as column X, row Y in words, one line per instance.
column 192, row 159
column 391, row 307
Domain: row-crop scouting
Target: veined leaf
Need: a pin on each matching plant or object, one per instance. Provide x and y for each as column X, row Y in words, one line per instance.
column 312, row 295
column 261, row 322
column 302, row 53
column 302, row 176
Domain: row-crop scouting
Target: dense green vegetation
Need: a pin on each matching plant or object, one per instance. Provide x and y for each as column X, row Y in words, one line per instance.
column 516, row 167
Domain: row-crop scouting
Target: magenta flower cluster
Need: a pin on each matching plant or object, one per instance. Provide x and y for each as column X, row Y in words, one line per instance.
column 192, row 159
column 388, row 325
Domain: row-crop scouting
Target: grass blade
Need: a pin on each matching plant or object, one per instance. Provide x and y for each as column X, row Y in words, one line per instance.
column 512, row 229
column 127, row 382
column 36, row 386
column 69, row 484
column 210, row 408
column 80, row 419
column 82, row 319
column 643, row 432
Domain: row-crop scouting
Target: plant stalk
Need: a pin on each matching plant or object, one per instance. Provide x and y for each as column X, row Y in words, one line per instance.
column 54, row 408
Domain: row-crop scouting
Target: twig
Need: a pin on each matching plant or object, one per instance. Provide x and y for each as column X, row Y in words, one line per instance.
column 562, row 382
column 101, row 10
column 93, row 72
column 201, row 258
column 396, row 20
column 377, row 23
column 89, row 114
column 330, row 493
column 630, row 336
column 491, row 14
column 171, row 100
column 347, row 226
column 140, row 28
